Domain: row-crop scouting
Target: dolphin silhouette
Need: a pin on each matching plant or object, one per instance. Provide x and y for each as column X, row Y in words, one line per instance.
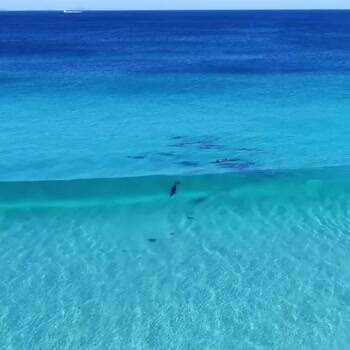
column 174, row 188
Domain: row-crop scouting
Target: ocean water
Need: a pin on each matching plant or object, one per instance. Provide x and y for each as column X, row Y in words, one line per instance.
column 101, row 113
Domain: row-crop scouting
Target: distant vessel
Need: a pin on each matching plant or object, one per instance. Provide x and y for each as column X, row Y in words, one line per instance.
column 72, row 11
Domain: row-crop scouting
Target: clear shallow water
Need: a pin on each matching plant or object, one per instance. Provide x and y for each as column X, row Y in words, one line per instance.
column 250, row 261
column 252, row 256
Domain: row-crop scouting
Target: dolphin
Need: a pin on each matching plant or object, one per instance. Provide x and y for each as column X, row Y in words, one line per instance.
column 174, row 188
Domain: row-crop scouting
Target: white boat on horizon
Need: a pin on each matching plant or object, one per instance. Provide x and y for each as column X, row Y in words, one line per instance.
column 72, row 11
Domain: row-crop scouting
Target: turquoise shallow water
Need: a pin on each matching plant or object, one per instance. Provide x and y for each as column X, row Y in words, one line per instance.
column 122, row 127
column 246, row 261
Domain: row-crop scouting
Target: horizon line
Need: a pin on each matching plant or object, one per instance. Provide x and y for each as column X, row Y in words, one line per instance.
column 174, row 10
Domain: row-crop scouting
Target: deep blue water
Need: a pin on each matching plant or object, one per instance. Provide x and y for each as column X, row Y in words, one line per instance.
column 109, row 94
column 208, row 42
column 102, row 112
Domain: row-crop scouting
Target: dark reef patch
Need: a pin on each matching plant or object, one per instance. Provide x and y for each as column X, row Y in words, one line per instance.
column 247, row 149
column 177, row 137
column 232, row 163
column 189, row 163
column 226, row 161
column 235, row 165
column 137, row 157
column 198, row 200
column 210, row 146
column 182, row 144
column 152, row 240
column 166, row 154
